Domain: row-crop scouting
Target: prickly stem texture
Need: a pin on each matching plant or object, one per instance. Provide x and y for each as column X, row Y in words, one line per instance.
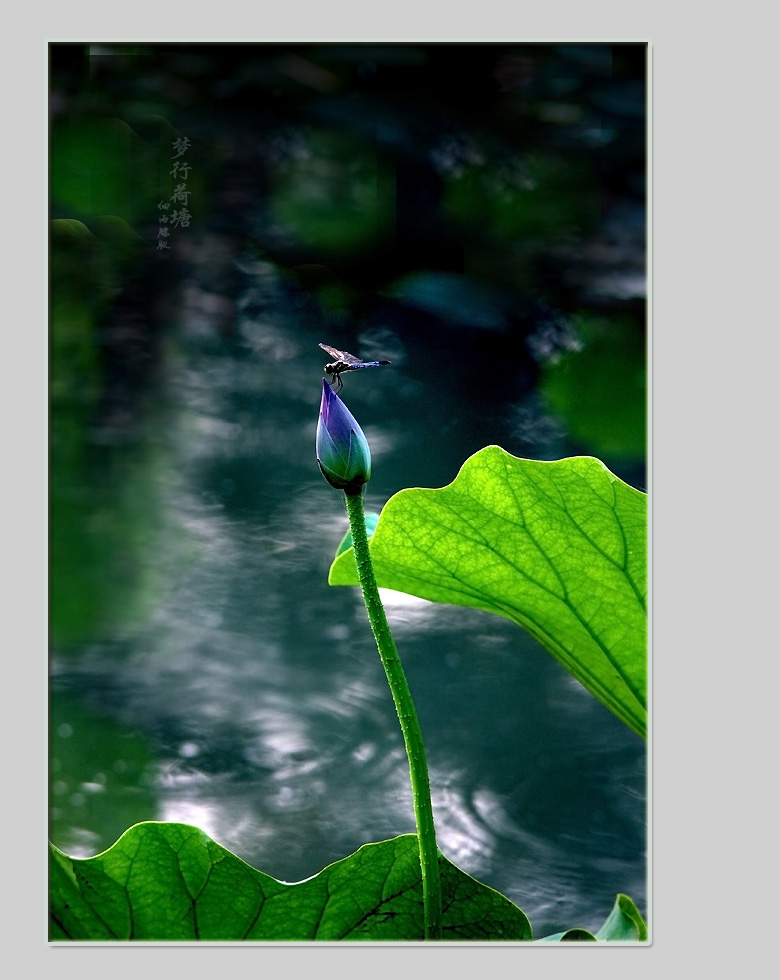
column 407, row 716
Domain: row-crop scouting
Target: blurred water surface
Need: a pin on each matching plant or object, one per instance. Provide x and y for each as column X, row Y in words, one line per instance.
column 486, row 234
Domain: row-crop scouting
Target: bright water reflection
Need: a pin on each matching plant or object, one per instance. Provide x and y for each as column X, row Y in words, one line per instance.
column 295, row 765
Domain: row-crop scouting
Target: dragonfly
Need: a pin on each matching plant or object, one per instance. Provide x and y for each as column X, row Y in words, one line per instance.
column 342, row 361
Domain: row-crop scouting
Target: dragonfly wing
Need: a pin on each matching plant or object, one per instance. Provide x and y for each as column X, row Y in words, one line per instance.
column 350, row 358
column 336, row 354
column 342, row 355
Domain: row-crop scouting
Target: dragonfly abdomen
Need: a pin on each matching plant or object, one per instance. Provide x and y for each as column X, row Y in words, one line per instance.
column 338, row 366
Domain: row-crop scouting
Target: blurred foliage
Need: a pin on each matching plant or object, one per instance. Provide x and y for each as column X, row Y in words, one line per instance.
column 105, row 183
column 102, row 497
column 100, row 775
column 336, row 196
column 601, row 391
column 103, row 521
column 534, row 195
column 100, row 166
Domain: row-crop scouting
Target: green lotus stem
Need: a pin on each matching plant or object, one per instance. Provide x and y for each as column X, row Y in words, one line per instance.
column 407, row 715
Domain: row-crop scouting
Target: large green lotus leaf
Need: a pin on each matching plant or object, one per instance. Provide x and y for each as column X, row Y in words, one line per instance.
column 558, row 547
column 170, row 881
